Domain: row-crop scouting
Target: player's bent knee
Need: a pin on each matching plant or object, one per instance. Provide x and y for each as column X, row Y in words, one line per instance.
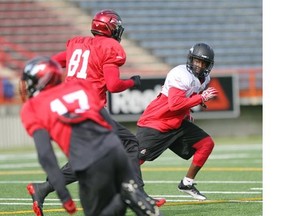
column 203, row 149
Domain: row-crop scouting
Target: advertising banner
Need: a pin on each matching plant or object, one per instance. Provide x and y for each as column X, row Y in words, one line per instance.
column 128, row 105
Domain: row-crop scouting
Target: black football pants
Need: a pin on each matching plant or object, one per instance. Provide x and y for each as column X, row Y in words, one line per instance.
column 100, row 184
column 130, row 144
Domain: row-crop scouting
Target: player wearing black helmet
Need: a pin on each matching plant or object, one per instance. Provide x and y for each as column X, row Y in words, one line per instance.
column 204, row 52
column 165, row 123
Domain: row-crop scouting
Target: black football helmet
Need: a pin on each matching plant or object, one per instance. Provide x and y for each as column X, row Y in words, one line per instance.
column 108, row 23
column 203, row 52
column 39, row 73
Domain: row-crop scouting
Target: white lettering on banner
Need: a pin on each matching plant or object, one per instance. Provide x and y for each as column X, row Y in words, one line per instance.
column 133, row 101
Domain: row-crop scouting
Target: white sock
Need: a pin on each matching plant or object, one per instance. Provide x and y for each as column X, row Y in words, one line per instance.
column 187, row 181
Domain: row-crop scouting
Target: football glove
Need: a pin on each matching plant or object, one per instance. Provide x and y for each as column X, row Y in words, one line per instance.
column 208, row 94
column 137, row 81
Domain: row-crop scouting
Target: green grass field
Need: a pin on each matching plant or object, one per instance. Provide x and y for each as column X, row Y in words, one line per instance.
column 231, row 179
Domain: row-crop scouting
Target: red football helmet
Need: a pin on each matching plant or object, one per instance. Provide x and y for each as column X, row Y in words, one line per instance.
column 107, row 22
column 39, row 73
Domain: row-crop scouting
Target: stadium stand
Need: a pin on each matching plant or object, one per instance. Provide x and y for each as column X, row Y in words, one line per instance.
column 167, row 28
column 156, row 38
column 28, row 29
column 31, row 28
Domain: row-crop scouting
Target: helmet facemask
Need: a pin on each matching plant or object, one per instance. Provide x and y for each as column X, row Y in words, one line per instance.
column 27, row 86
column 196, row 70
column 117, row 33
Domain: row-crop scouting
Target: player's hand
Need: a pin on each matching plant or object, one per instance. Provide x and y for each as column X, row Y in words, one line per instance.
column 137, row 81
column 70, row 206
column 208, row 94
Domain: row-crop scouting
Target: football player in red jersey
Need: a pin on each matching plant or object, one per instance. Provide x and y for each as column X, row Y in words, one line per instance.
column 164, row 123
column 70, row 115
column 97, row 60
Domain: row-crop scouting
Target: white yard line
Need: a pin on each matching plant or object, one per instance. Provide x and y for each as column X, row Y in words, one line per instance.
column 155, row 182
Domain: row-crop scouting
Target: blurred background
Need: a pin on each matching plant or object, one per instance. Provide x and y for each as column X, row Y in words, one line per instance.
column 157, row 37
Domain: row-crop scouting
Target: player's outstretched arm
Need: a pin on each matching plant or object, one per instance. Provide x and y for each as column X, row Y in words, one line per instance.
column 113, row 81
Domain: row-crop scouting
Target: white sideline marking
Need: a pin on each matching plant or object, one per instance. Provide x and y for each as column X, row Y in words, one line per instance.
column 197, row 201
column 162, row 195
column 24, row 156
column 168, row 200
column 154, row 182
column 213, row 192
column 256, row 188
column 17, row 165
column 46, row 204
column 56, row 202
column 205, row 182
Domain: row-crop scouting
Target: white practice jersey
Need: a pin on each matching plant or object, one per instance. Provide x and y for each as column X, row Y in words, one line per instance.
column 179, row 77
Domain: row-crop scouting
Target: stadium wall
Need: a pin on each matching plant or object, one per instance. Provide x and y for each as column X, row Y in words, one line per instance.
column 249, row 123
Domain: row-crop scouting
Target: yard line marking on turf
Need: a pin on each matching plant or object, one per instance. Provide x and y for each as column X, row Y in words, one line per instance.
column 230, row 169
column 152, row 169
column 56, row 201
column 27, row 211
column 29, row 199
column 29, row 203
column 237, row 147
column 24, row 156
column 24, row 182
column 168, row 203
column 232, row 156
column 17, row 165
column 203, row 202
column 154, row 182
column 213, row 192
column 48, row 200
column 18, row 172
column 16, row 212
column 256, row 188
column 210, row 201
column 222, row 156
column 204, row 182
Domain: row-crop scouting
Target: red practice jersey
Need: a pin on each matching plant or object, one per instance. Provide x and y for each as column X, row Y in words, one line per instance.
column 88, row 57
column 179, row 93
column 55, row 109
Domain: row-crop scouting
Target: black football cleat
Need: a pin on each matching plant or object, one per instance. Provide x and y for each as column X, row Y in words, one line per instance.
column 38, row 192
column 138, row 201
